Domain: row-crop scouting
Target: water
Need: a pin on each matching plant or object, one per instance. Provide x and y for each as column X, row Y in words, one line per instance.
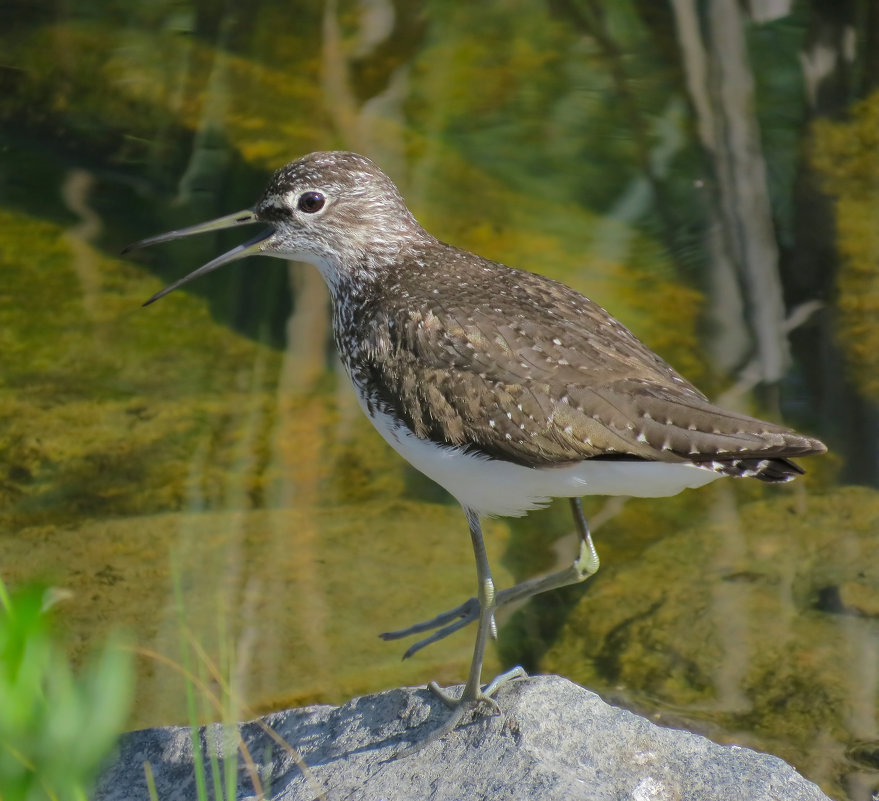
column 718, row 195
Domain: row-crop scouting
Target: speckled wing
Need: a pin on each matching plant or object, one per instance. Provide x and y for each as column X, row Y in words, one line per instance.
column 543, row 376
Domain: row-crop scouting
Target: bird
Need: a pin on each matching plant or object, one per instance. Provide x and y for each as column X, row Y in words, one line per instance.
column 505, row 387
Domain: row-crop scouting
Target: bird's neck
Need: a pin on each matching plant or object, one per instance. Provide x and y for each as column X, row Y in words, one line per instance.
column 355, row 275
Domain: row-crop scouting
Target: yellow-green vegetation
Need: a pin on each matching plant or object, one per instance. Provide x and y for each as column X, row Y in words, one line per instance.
column 56, row 725
column 112, row 86
column 757, row 624
column 844, row 154
column 103, row 405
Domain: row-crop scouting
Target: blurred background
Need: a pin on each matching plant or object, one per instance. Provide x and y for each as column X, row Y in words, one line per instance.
column 198, row 473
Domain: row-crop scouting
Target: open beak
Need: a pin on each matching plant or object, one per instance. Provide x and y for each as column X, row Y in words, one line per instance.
column 250, row 247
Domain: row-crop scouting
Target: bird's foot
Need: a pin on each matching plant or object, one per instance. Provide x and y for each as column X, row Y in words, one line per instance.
column 460, row 706
column 481, row 696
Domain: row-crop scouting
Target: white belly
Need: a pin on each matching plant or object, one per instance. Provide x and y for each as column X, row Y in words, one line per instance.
column 495, row 487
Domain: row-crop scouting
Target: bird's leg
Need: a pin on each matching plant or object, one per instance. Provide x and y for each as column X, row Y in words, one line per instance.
column 473, row 693
column 584, row 566
column 485, row 627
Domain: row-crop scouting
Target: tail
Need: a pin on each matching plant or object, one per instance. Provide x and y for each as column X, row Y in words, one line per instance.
column 773, row 471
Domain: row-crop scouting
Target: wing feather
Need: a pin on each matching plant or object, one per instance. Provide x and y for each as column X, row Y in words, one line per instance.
column 557, row 381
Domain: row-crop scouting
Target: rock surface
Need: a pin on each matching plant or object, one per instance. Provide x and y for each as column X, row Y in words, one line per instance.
column 554, row 740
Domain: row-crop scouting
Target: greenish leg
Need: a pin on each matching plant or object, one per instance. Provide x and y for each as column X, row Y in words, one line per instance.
column 481, row 608
column 585, row 565
column 473, row 694
column 485, row 627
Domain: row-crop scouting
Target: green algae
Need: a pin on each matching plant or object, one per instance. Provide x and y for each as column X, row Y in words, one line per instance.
column 103, row 404
column 844, row 154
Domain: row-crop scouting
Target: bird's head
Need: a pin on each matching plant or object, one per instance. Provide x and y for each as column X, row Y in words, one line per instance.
column 336, row 210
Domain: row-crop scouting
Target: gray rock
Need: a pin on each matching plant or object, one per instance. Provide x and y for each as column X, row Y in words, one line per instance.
column 554, row 740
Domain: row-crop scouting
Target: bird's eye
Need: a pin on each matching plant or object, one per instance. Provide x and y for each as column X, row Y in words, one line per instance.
column 310, row 202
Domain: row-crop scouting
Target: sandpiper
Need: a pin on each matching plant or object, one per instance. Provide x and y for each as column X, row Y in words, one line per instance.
column 505, row 387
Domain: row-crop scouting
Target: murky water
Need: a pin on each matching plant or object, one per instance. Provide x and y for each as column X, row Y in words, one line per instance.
column 712, row 181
